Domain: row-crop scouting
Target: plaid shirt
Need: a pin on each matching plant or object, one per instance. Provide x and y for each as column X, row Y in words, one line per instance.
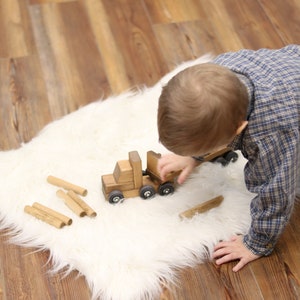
column 270, row 142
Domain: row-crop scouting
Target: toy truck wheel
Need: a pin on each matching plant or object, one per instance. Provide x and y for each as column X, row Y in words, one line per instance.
column 147, row 191
column 166, row 189
column 115, row 197
column 231, row 156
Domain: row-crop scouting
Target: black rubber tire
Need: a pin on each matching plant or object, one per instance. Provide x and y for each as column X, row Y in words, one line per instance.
column 147, row 192
column 115, row 197
column 166, row 188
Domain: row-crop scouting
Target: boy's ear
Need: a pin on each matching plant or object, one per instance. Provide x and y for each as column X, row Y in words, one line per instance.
column 241, row 127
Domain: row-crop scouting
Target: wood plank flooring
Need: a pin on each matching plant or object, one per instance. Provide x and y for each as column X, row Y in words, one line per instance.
column 59, row 55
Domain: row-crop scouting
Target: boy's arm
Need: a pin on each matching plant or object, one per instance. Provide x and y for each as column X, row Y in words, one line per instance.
column 271, row 174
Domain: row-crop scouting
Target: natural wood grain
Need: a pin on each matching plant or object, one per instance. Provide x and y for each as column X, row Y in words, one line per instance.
column 251, row 25
column 205, row 277
column 284, row 16
column 58, row 55
column 25, row 106
column 134, row 35
column 164, row 11
column 48, row 1
column 112, row 58
column 15, row 35
column 64, row 38
column 184, row 31
column 277, row 286
column 288, row 251
column 24, row 274
column 25, row 286
column 8, row 139
column 223, row 28
column 192, row 40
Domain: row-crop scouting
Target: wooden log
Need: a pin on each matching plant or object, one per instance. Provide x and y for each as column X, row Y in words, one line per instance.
column 203, row 207
column 51, row 212
column 67, row 185
column 43, row 216
column 77, row 209
column 89, row 211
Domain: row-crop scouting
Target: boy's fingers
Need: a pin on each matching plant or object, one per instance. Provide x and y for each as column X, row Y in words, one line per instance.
column 226, row 258
column 183, row 175
column 221, row 245
column 239, row 265
column 164, row 170
column 181, row 178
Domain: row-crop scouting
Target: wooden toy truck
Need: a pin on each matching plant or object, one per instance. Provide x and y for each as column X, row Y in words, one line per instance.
column 129, row 180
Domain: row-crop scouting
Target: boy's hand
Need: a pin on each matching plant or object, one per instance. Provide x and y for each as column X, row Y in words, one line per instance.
column 172, row 162
column 233, row 250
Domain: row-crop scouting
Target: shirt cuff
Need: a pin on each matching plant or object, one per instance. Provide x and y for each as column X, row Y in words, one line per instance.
column 260, row 248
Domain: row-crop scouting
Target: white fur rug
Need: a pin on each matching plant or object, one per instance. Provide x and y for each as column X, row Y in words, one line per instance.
column 129, row 249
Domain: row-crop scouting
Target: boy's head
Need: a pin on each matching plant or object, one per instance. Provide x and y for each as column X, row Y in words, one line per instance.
column 201, row 109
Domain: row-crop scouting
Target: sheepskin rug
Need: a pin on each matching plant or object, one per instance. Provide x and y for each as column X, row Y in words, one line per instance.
column 129, row 250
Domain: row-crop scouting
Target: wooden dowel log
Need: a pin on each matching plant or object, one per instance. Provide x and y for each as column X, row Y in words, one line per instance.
column 203, row 207
column 41, row 215
column 67, row 185
column 51, row 212
column 77, row 209
column 89, row 211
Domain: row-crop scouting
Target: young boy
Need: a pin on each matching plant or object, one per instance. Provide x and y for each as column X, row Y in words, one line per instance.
column 250, row 101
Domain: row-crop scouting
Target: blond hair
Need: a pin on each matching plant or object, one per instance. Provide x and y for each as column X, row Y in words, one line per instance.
column 201, row 109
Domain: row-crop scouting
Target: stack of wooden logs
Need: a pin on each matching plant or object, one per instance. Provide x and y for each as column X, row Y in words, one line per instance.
column 71, row 198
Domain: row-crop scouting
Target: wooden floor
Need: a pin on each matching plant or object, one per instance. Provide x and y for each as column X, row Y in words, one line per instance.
column 59, row 55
